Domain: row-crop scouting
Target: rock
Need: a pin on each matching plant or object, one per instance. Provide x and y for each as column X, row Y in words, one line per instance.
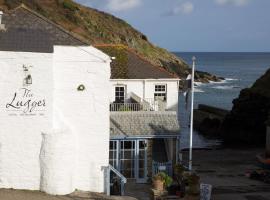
column 208, row 120
column 246, row 123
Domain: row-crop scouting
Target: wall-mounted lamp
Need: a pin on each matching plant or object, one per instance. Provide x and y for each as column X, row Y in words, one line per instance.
column 28, row 79
column 27, row 76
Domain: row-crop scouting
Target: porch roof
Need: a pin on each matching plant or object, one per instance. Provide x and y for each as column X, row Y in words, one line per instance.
column 144, row 124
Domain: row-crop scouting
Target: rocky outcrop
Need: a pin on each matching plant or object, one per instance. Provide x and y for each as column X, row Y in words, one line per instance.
column 246, row 123
column 208, row 120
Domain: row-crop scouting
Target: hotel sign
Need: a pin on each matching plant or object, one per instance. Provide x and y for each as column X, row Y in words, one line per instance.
column 23, row 102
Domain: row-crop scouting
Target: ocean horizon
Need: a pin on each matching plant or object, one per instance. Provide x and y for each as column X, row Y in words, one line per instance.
column 240, row 70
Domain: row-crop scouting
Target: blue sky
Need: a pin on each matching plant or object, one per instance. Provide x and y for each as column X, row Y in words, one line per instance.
column 196, row 25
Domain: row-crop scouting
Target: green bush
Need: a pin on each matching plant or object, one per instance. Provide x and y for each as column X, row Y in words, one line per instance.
column 70, row 5
column 165, row 178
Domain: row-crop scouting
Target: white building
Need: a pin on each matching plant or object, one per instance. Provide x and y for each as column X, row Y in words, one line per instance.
column 144, row 127
column 54, row 114
column 65, row 114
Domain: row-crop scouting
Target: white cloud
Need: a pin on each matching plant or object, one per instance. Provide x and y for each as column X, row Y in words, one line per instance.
column 184, row 8
column 122, row 5
column 232, row 2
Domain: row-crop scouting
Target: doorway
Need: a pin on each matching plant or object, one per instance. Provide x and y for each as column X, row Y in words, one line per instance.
column 130, row 158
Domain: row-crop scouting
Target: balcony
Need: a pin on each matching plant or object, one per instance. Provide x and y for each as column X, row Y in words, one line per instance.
column 144, row 105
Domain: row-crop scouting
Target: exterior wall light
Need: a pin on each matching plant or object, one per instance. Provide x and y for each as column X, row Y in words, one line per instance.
column 27, row 76
column 28, row 80
column 81, row 88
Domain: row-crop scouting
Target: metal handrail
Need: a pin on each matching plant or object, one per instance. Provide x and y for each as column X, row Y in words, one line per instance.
column 121, row 176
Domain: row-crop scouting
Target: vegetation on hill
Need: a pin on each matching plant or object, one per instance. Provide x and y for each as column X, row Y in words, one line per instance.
column 97, row 27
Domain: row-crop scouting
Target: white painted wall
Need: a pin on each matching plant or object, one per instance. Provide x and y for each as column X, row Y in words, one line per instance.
column 65, row 145
column 146, row 88
column 86, row 112
column 20, row 133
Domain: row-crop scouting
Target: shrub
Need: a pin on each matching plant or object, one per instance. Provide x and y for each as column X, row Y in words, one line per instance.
column 167, row 180
column 70, row 5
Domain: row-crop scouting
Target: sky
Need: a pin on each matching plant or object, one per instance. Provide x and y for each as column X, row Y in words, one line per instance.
column 196, row 25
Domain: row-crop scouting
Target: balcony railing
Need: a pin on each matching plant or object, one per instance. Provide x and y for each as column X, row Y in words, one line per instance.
column 144, row 105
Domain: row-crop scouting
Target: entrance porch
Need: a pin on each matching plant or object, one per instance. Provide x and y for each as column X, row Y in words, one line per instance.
column 137, row 159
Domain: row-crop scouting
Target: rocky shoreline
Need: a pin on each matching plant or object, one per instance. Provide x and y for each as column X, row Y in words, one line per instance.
column 245, row 123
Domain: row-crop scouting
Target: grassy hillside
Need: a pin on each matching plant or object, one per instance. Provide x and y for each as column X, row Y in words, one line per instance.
column 97, row 27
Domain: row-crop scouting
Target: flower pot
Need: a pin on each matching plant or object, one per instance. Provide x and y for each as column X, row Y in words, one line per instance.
column 158, row 185
column 193, row 189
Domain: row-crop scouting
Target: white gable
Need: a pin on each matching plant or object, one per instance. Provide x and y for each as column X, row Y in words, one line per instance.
column 53, row 136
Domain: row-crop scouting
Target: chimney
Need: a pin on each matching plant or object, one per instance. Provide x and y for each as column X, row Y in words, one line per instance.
column 2, row 26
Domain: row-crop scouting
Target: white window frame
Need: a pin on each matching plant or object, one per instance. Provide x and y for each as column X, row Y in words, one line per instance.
column 160, row 92
column 124, row 86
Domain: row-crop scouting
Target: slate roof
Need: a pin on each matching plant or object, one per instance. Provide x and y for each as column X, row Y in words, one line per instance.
column 27, row 31
column 130, row 65
column 144, row 124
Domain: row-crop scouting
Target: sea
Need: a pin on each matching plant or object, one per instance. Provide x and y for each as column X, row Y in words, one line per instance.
column 240, row 71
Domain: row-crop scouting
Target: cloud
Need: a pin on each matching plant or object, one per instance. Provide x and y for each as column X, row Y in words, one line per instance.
column 122, row 5
column 183, row 8
column 232, row 2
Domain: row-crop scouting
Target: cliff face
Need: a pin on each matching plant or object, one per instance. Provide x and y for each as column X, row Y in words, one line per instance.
column 246, row 123
column 97, row 27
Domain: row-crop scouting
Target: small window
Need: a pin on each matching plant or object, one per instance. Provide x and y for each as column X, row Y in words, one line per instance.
column 160, row 93
column 120, row 94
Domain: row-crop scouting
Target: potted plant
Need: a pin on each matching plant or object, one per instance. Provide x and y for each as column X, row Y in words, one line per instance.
column 193, row 182
column 179, row 177
column 161, row 181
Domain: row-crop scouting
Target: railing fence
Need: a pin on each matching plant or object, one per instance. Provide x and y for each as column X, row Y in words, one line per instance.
column 162, row 167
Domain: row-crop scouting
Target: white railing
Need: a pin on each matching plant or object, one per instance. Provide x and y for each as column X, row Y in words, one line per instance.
column 125, row 107
column 144, row 105
column 123, row 179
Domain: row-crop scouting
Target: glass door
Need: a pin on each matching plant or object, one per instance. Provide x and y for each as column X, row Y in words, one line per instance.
column 129, row 157
column 141, row 161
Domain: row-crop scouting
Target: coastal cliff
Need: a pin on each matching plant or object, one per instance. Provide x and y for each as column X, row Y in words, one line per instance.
column 246, row 123
column 97, row 27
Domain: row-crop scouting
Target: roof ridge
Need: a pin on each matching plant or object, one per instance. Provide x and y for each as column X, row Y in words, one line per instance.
column 142, row 57
column 72, row 34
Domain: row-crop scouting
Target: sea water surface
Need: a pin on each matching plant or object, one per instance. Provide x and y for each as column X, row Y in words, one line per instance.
column 240, row 71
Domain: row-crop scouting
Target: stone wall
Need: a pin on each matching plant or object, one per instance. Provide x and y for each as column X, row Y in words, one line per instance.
column 208, row 119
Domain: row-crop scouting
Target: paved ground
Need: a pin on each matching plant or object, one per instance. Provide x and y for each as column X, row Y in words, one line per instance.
column 225, row 169
column 139, row 191
column 35, row 195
